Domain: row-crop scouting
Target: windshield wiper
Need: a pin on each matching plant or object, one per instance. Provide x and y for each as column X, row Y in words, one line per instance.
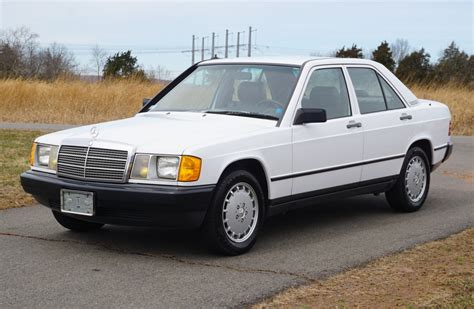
column 242, row 113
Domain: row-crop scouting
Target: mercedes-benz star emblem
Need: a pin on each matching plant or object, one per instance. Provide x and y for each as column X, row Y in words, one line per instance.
column 94, row 132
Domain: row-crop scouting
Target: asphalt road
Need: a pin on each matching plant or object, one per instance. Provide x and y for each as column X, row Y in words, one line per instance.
column 35, row 126
column 42, row 265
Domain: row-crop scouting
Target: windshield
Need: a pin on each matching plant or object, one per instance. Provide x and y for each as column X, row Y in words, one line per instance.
column 244, row 90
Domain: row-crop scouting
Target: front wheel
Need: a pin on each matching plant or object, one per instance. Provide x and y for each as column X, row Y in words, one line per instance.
column 411, row 189
column 236, row 213
column 74, row 224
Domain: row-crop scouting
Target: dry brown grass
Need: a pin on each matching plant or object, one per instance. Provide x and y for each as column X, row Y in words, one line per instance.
column 438, row 274
column 71, row 101
column 79, row 102
column 460, row 101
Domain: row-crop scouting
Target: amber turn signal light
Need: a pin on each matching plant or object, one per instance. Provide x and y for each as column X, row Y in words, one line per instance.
column 32, row 154
column 189, row 169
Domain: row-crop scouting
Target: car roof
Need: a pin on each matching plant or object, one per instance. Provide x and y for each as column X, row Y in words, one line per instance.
column 290, row 60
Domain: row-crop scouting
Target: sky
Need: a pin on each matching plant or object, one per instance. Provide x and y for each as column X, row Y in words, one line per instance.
column 159, row 32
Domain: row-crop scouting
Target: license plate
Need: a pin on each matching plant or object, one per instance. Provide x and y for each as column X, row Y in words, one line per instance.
column 77, row 202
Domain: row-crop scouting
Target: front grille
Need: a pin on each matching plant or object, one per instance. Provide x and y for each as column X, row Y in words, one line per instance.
column 91, row 163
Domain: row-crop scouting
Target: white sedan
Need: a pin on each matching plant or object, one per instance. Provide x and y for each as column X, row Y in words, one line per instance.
column 233, row 141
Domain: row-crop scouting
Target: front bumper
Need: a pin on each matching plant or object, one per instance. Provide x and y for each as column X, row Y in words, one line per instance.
column 127, row 204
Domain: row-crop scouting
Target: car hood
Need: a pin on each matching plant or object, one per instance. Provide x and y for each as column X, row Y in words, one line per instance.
column 161, row 132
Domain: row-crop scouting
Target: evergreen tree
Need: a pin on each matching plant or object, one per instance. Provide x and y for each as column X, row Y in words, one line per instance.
column 122, row 65
column 454, row 66
column 383, row 55
column 353, row 52
column 415, row 67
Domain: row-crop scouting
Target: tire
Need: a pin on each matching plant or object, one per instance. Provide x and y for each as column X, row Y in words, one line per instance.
column 411, row 189
column 236, row 213
column 74, row 224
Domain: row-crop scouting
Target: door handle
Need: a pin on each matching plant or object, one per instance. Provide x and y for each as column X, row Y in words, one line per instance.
column 405, row 117
column 353, row 124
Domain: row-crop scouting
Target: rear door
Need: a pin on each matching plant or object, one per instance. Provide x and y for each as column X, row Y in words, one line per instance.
column 324, row 153
column 386, row 121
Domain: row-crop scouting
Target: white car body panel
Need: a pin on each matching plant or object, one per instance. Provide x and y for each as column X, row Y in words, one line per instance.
column 284, row 149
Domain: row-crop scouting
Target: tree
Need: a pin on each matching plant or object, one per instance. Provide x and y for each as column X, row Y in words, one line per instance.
column 415, row 67
column 383, row 55
column 24, row 44
column 56, row 61
column 316, row 54
column 98, row 58
column 454, row 66
column 400, row 49
column 21, row 56
column 122, row 65
column 160, row 73
column 8, row 58
column 353, row 52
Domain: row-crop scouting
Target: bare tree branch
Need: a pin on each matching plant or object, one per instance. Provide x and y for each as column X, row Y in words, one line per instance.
column 400, row 49
column 98, row 58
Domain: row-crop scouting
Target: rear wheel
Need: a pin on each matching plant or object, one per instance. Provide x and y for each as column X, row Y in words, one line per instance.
column 236, row 213
column 411, row 189
column 74, row 224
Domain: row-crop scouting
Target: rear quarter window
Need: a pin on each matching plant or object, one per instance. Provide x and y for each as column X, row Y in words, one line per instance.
column 391, row 97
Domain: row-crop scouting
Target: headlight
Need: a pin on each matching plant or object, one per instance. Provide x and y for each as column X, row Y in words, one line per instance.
column 168, row 167
column 45, row 156
column 141, row 166
column 153, row 167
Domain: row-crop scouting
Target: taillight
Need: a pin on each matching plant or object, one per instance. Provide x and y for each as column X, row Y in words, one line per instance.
column 450, row 129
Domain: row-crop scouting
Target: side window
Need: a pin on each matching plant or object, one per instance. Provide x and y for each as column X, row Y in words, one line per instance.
column 392, row 99
column 368, row 91
column 327, row 89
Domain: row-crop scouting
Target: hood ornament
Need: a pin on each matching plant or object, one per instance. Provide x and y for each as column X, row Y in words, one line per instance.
column 94, row 132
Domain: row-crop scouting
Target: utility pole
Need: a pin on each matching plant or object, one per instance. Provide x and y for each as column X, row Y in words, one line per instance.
column 212, row 46
column 226, row 53
column 238, row 43
column 250, row 42
column 192, row 50
column 213, row 49
column 202, row 49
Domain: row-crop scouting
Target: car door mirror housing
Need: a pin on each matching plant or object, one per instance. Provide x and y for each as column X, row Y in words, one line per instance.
column 145, row 101
column 310, row 115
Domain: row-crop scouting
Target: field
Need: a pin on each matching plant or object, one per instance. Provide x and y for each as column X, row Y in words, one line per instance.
column 72, row 101
column 79, row 102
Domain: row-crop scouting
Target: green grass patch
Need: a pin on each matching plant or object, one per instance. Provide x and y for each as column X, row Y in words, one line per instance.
column 15, row 147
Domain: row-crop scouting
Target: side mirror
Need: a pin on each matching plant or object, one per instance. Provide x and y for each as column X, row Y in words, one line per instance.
column 310, row 115
column 145, row 101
